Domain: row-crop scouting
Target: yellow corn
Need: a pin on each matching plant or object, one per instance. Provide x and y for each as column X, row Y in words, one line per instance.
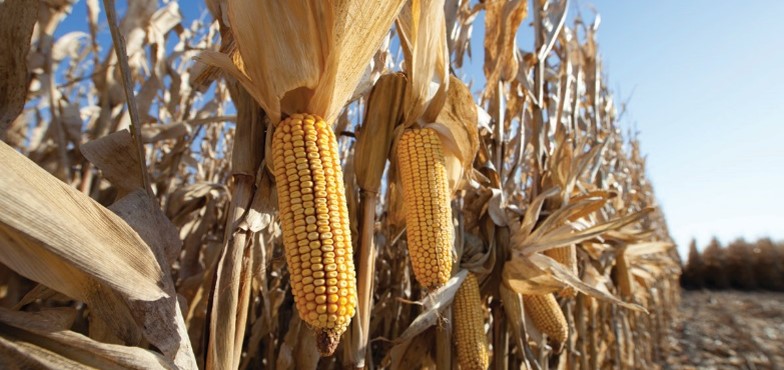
column 566, row 256
column 548, row 318
column 428, row 212
column 468, row 316
column 315, row 224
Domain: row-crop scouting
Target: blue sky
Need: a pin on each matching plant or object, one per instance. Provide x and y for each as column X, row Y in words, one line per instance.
column 705, row 80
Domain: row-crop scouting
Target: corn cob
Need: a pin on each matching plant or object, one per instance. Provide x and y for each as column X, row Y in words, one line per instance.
column 468, row 315
column 315, row 224
column 428, row 211
column 566, row 256
column 622, row 276
column 548, row 318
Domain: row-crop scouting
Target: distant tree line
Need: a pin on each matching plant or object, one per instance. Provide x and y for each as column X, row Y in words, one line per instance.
column 739, row 265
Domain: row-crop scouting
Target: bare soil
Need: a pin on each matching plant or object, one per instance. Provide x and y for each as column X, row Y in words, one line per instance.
column 728, row 330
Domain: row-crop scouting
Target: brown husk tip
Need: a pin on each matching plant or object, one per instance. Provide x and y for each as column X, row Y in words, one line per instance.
column 327, row 342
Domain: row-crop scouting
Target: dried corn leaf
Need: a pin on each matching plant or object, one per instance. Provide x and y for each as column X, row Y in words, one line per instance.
column 68, row 237
column 526, row 277
column 639, row 249
column 161, row 320
column 411, row 353
column 422, row 30
column 433, row 305
column 116, row 156
column 502, row 19
column 34, row 340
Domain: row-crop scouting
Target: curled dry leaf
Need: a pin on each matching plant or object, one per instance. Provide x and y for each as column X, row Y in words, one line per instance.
column 116, row 156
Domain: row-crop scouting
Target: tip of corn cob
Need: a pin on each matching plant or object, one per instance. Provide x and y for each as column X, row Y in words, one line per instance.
column 556, row 345
column 327, row 342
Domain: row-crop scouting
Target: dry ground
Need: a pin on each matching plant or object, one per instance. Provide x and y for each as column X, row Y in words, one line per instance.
column 729, row 330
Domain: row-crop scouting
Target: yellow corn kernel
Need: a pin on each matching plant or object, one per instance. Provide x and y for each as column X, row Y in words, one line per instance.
column 566, row 256
column 315, row 224
column 548, row 318
column 427, row 206
column 469, row 320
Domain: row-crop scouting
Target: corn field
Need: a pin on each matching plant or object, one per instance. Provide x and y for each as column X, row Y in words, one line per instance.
column 321, row 185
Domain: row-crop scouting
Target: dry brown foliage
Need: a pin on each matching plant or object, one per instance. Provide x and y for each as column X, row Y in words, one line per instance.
column 140, row 227
column 740, row 265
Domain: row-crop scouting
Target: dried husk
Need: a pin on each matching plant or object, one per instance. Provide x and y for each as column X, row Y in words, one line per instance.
column 423, row 38
column 328, row 57
column 502, row 19
column 383, row 114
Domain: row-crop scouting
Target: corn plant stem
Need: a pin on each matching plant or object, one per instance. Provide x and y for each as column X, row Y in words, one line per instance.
column 444, row 342
column 229, row 300
column 563, row 92
column 592, row 313
column 499, row 131
column 570, row 342
column 618, row 353
column 594, row 93
column 530, row 357
column 580, row 312
column 628, row 338
column 538, row 119
column 64, row 170
column 366, row 272
column 85, row 184
column 500, row 339
column 657, row 322
column 519, row 151
column 125, row 70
